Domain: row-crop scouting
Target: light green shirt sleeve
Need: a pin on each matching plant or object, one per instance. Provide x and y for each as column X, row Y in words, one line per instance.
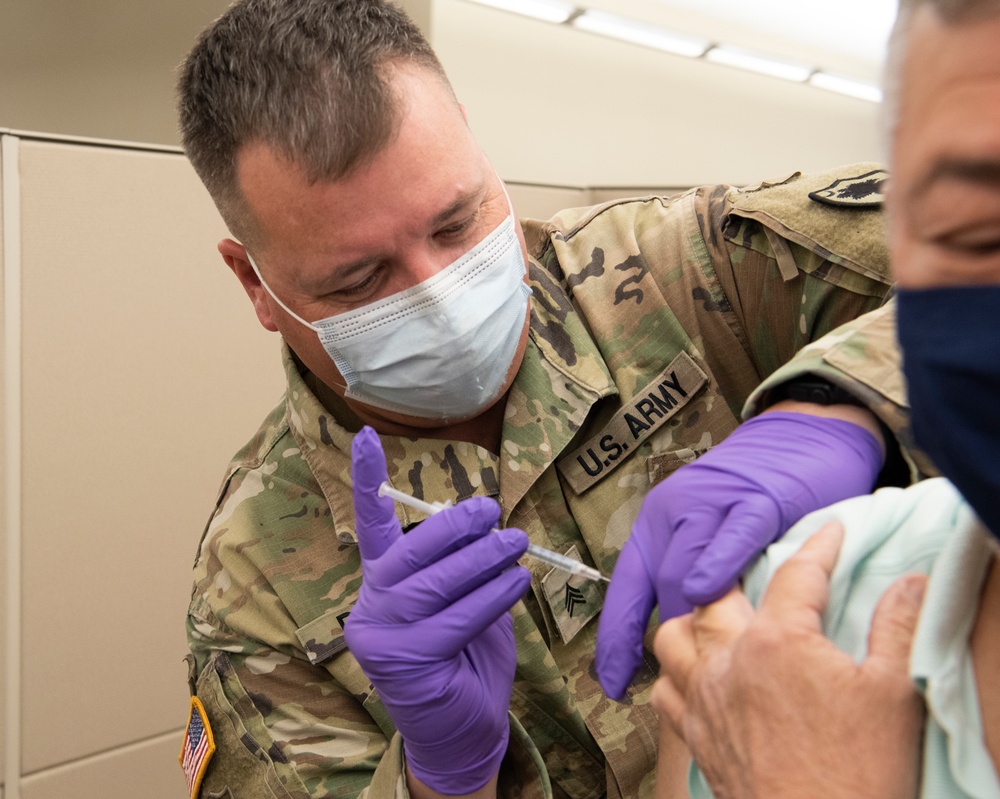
column 926, row 528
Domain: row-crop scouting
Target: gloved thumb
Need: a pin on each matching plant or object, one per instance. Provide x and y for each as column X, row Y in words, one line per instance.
column 377, row 526
column 627, row 607
column 894, row 624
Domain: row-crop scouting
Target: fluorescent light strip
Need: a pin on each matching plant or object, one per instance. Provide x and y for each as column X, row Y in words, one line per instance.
column 848, row 86
column 764, row 65
column 628, row 30
column 556, row 11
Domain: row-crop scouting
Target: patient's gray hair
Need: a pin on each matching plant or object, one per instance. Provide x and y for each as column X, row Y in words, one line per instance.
column 309, row 78
column 950, row 12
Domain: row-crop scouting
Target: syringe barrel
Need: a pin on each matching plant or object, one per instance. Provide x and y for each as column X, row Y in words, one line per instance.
column 563, row 562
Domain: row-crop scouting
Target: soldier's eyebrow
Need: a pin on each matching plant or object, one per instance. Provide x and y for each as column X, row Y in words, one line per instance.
column 464, row 200
column 984, row 172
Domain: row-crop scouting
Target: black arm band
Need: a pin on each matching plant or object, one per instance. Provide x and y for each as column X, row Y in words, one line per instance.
column 814, row 389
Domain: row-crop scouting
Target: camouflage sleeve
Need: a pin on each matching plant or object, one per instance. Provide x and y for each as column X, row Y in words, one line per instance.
column 862, row 357
column 792, row 267
column 288, row 721
column 283, row 726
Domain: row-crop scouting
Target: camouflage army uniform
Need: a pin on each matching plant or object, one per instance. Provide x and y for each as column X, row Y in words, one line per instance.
column 652, row 319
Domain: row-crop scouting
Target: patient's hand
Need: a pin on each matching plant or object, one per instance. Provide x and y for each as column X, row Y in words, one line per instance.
column 770, row 708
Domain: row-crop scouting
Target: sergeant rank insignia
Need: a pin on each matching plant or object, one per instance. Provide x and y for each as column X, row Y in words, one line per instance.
column 572, row 600
column 198, row 748
column 862, row 191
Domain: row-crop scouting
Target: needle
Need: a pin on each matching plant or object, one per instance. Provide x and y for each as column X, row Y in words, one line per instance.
column 562, row 562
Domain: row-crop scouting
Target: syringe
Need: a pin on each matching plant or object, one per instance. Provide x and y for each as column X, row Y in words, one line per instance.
column 563, row 562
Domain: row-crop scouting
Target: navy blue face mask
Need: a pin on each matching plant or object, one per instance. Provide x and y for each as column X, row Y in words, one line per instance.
column 951, row 358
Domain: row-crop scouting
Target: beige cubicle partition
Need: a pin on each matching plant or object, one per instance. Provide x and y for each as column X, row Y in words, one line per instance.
column 5, row 440
column 135, row 369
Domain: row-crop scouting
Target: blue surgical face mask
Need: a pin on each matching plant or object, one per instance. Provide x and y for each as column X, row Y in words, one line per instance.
column 951, row 358
column 441, row 349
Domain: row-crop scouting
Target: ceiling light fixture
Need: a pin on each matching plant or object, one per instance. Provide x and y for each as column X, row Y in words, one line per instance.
column 565, row 12
column 762, row 64
column 848, row 86
column 557, row 11
column 628, row 30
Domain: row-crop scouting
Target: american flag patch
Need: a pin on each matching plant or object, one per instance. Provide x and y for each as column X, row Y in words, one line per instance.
column 198, row 748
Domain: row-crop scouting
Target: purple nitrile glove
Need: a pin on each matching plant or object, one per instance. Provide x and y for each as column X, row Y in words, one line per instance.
column 699, row 528
column 432, row 629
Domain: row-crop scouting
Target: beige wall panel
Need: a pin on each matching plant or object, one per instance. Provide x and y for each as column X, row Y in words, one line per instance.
column 97, row 99
column 103, row 68
column 541, row 202
column 144, row 370
column 550, row 104
column 604, row 194
column 149, row 770
column 421, row 12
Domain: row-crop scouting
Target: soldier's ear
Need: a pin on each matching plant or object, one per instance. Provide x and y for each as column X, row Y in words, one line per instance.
column 235, row 256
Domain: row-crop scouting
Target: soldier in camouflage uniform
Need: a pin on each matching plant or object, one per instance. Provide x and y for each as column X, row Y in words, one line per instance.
column 650, row 322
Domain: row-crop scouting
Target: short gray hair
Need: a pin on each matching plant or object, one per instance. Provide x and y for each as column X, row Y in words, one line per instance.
column 949, row 11
column 308, row 78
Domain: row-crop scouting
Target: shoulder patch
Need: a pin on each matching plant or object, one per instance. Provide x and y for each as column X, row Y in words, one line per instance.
column 198, row 748
column 861, row 191
column 845, row 227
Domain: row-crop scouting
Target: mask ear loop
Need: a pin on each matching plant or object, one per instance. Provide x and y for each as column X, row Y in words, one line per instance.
column 276, row 298
column 513, row 216
column 510, row 204
column 315, row 328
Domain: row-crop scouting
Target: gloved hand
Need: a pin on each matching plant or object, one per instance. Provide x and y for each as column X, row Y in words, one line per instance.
column 699, row 528
column 431, row 627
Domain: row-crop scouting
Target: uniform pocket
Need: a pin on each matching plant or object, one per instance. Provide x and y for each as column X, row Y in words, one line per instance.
column 662, row 464
column 247, row 763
